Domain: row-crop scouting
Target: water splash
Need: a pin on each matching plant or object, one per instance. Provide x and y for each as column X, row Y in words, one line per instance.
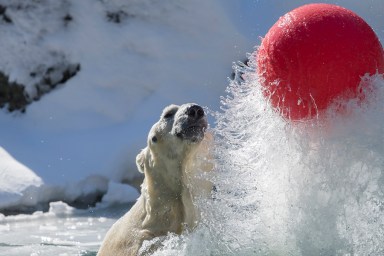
column 309, row 188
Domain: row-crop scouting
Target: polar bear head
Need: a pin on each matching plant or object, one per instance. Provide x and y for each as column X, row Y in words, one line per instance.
column 174, row 137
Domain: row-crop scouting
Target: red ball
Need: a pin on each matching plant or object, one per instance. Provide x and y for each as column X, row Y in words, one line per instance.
column 315, row 54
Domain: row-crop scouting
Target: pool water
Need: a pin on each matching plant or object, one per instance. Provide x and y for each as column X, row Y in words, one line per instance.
column 61, row 231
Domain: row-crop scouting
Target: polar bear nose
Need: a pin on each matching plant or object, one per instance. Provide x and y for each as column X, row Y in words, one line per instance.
column 195, row 111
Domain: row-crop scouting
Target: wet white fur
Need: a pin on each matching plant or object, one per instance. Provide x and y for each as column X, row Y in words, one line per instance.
column 166, row 203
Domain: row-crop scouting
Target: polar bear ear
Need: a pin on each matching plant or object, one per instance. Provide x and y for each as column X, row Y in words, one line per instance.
column 140, row 160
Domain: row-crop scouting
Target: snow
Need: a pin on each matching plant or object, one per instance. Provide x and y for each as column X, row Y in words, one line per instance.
column 96, row 122
column 254, row 18
column 118, row 194
column 83, row 136
column 16, row 178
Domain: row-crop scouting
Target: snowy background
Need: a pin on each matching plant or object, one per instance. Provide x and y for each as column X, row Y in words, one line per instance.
column 81, row 83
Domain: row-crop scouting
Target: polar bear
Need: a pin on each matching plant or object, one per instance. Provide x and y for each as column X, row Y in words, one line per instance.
column 169, row 163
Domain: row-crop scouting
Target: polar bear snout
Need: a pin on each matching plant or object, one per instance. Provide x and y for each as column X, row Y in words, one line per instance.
column 195, row 112
column 191, row 123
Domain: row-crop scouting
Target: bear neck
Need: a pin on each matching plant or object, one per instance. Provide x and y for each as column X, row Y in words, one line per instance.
column 163, row 192
column 165, row 177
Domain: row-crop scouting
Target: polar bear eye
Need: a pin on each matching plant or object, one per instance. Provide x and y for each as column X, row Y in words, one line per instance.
column 154, row 139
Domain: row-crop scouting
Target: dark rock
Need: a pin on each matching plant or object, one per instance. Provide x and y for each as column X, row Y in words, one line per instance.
column 25, row 209
column 67, row 19
column 4, row 15
column 13, row 94
column 88, row 200
column 118, row 16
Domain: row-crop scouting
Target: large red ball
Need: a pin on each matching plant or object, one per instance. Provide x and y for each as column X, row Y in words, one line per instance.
column 314, row 54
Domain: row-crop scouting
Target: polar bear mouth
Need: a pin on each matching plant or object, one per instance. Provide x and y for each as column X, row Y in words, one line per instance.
column 193, row 133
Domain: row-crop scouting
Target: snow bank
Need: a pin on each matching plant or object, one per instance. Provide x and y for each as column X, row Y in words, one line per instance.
column 14, row 179
column 119, row 194
column 254, row 18
column 22, row 191
column 136, row 57
column 55, row 209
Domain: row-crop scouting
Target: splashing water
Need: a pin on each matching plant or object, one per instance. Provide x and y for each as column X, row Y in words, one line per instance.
column 309, row 188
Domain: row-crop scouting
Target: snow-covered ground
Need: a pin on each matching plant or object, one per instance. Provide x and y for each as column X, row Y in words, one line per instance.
column 135, row 57
column 15, row 178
